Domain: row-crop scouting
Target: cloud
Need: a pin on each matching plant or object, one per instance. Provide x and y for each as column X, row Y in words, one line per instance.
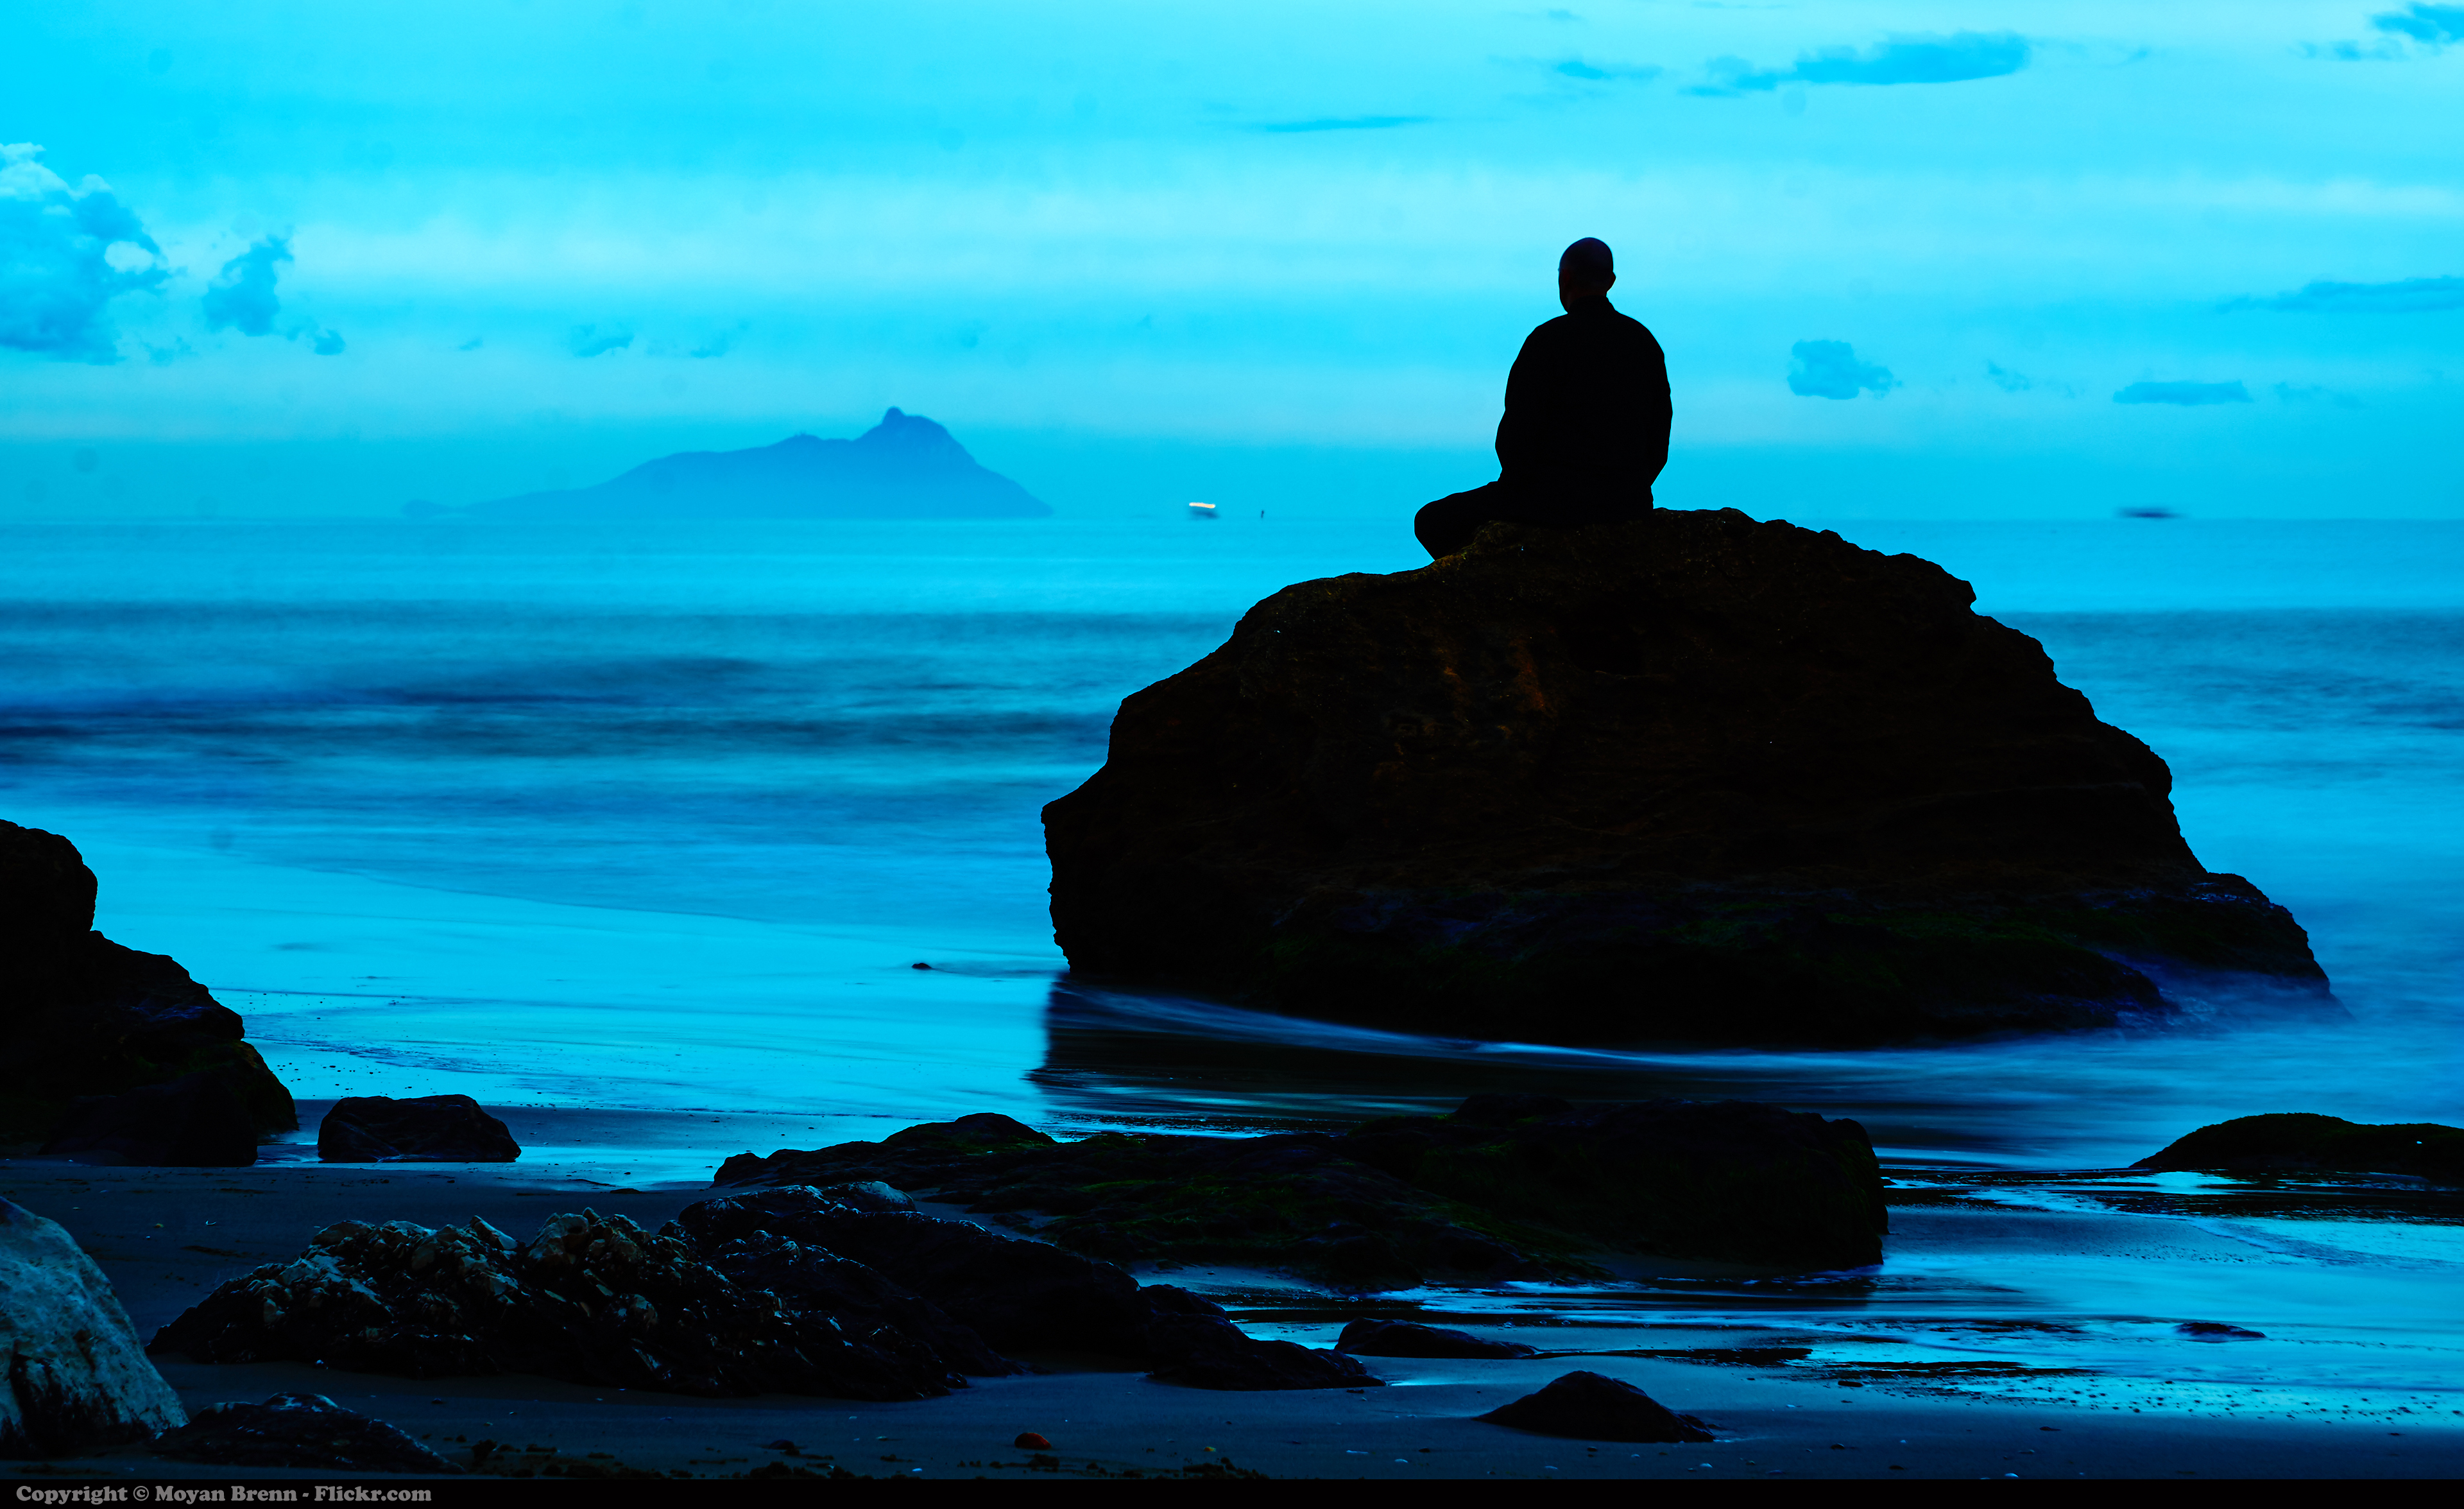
column 2188, row 395
column 1576, row 68
column 588, row 339
column 1901, row 61
column 2431, row 24
column 2313, row 393
column 1830, row 370
column 58, row 271
column 241, row 297
column 1356, row 122
column 2008, row 382
column 2011, row 382
column 2409, row 296
column 2409, row 32
column 720, row 343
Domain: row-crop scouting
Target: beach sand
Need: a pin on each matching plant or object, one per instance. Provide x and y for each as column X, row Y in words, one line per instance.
column 168, row 1236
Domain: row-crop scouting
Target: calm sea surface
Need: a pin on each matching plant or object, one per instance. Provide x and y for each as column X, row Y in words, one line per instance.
column 658, row 818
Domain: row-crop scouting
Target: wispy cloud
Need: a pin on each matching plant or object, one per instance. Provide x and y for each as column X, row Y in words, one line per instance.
column 2409, row 32
column 720, row 343
column 2011, row 382
column 1831, row 369
column 1599, row 73
column 2409, row 296
column 1901, row 61
column 2186, row 396
column 1353, row 122
column 590, row 339
column 65, row 253
column 2313, row 393
column 2435, row 25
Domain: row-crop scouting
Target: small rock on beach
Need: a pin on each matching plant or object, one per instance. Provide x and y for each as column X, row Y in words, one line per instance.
column 1593, row 1406
column 419, row 1129
column 298, row 1430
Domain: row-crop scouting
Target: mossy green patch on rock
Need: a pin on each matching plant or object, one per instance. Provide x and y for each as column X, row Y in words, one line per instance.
column 2294, row 1143
column 1506, row 1188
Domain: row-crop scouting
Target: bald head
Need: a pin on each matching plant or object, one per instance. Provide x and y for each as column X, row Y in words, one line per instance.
column 1585, row 270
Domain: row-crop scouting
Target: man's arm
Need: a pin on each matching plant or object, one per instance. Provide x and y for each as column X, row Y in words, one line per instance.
column 1659, row 414
column 1516, row 436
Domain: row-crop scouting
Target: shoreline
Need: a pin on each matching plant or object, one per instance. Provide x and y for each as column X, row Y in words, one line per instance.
column 166, row 1237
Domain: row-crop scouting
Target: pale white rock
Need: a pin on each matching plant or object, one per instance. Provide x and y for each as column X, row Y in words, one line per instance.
column 78, row 1379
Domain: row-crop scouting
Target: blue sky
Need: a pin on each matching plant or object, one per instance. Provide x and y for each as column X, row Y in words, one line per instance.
column 1907, row 260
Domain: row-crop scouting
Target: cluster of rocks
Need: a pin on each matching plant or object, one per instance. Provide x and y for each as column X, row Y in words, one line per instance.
column 108, row 1053
column 1505, row 1187
column 1692, row 778
column 776, row 1291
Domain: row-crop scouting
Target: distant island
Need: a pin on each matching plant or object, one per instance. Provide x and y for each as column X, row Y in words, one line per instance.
column 905, row 467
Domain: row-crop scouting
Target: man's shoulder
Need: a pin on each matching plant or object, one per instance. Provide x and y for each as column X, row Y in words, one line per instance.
column 1630, row 328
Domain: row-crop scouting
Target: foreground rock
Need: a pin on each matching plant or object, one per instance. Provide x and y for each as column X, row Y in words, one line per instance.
column 82, row 1017
column 1506, row 1186
column 2297, row 1143
column 1368, row 1338
column 592, row 1299
column 76, row 1380
column 424, row 1129
column 298, row 1430
column 1592, row 1406
column 1026, row 1296
column 1692, row 778
column 780, row 1291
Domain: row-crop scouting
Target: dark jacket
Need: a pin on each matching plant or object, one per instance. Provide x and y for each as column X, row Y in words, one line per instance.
column 1585, row 426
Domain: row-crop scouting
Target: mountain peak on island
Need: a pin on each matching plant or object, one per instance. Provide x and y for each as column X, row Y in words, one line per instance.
column 905, row 467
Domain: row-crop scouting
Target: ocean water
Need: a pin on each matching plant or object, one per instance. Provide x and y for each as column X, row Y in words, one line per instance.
column 658, row 819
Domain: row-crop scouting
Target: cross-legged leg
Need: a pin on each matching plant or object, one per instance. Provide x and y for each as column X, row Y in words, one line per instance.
column 1447, row 525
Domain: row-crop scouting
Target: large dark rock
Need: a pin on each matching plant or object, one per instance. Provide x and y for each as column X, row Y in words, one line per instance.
column 1592, row 1407
column 298, row 1430
column 80, row 1016
column 1507, row 1187
column 195, row 1121
column 2297, row 1142
column 1692, row 778
column 73, row 1378
column 424, row 1129
column 1367, row 1336
column 592, row 1299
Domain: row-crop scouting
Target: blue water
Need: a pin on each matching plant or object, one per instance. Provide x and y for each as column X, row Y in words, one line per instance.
column 658, row 816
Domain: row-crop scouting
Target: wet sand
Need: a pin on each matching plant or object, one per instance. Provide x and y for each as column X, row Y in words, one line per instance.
column 167, row 1236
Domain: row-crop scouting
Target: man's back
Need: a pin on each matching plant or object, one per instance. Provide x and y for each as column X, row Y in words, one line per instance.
column 1587, row 415
column 1585, row 426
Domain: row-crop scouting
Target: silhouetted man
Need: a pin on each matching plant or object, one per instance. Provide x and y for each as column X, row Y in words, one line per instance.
column 1585, row 426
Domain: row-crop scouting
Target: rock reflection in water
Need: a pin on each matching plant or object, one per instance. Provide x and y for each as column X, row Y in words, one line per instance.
column 2081, row 1100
